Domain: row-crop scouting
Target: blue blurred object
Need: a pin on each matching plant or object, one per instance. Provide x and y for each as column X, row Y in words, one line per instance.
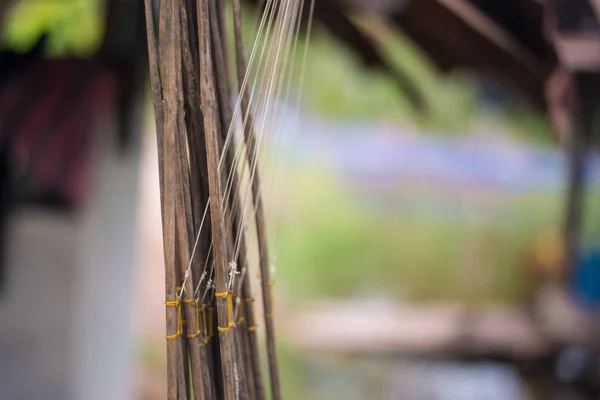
column 585, row 286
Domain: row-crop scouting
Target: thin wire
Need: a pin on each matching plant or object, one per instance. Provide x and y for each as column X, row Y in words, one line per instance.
column 273, row 4
column 254, row 163
column 288, row 35
column 276, row 133
column 280, row 30
column 269, row 71
column 187, row 273
column 279, row 125
column 298, row 101
column 280, row 72
column 246, row 117
column 262, row 81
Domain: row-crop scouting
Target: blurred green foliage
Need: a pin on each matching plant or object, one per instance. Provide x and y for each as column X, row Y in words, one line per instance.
column 336, row 245
column 337, row 85
column 74, row 27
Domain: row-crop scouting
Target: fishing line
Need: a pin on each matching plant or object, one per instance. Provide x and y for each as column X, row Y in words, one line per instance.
column 270, row 2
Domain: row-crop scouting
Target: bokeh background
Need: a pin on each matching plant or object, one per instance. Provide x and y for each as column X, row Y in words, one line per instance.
column 378, row 207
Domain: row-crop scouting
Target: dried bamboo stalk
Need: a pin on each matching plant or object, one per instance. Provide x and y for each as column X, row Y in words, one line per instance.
column 209, row 105
column 258, row 206
column 197, row 145
column 183, row 222
column 199, row 357
column 176, row 366
column 249, row 347
column 191, row 96
column 225, row 116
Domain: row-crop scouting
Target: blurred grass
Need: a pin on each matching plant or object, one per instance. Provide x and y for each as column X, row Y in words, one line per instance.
column 336, row 246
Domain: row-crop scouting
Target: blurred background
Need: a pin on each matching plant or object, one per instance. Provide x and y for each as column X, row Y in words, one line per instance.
column 417, row 254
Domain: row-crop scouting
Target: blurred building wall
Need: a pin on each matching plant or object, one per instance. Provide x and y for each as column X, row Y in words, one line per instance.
column 65, row 323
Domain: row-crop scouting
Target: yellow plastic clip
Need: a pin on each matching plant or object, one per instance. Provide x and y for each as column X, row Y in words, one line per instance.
column 229, row 308
column 240, row 315
column 205, row 322
column 197, row 312
column 176, row 303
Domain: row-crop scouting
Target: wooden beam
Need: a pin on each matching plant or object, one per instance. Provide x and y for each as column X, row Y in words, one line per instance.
column 373, row 6
column 417, row 330
column 455, row 33
column 578, row 53
column 596, row 7
column 575, row 34
column 367, row 49
column 490, row 31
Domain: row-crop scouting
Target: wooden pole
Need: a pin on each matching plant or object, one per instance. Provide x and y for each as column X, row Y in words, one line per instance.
column 248, row 340
column 191, row 98
column 223, row 295
column 250, row 136
column 166, row 147
column 185, row 229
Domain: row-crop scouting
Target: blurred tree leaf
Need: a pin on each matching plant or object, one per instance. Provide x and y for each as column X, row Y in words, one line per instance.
column 74, row 27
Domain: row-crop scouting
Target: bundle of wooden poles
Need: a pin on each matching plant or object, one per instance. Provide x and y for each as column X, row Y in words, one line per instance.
column 213, row 350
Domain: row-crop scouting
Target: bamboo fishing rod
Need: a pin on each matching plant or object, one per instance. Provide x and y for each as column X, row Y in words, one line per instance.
column 246, row 300
column 258, row 205
column 201, row 170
